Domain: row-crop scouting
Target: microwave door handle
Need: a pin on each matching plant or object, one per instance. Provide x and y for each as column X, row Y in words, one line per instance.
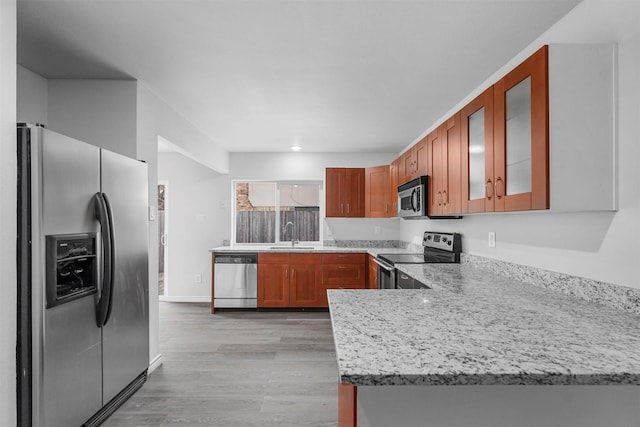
column 413, row 195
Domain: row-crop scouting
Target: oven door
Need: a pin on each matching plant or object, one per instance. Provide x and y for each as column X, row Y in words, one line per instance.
column 404, row 281
column 386, row 275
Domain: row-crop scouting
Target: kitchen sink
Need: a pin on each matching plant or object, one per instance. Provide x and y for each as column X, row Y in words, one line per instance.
column 289, row 248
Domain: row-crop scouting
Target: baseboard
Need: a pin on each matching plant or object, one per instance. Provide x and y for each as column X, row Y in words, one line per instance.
column 184, row 298
column 155, row 363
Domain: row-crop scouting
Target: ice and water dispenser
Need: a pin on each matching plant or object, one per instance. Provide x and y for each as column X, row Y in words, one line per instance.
column 72, row 269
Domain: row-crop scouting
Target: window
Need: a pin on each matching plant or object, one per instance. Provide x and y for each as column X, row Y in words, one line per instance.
column 264, row 209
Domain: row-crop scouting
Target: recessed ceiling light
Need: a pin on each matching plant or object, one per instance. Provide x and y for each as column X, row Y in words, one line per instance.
column 296, row 148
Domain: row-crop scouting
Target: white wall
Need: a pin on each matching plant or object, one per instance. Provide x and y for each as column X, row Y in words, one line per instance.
column 33, row 97
column 600, row 246
column 192, row 218
column 100, row 112
column 8, row 212
column 362, row 229
column 191, row 142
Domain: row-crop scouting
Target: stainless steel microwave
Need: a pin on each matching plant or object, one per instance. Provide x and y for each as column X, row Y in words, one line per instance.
column 412, row 198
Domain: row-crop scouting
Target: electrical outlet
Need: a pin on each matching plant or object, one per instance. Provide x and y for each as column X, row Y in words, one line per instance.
column 376, row 229
column 198, row 278
column 492, row 239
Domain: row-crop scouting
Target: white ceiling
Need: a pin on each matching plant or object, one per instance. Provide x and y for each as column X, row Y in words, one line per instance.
column 330, row 75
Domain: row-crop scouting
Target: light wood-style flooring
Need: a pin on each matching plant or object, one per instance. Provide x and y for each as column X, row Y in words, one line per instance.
column 238, row 368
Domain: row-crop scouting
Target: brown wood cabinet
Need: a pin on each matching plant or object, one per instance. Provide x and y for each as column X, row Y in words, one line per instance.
column 288, row 280
column 302, row 280
column 377, row 192
column 273, row 280
column 305, row 280
column 414, row 162
column 372, row 273
column 476, row 143
column 394, row 168
column 445, row 191
column 345, row 192
column 521, row 136
column 342, row 271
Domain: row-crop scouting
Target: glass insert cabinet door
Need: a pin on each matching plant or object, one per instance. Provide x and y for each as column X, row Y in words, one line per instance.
column 477, row 154
column 521, row 140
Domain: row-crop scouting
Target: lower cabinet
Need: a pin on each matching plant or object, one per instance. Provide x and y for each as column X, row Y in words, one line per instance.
column 302, row 280
column 342, row 271
column 305, row 280
column 372, row 273
column 289, row 280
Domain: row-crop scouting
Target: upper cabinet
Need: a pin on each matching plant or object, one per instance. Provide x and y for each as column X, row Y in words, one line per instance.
column 394, row 169
column 413, row 162
column 476, row 141
column 443, row 147
column 377, row 192
column 543, row 136
column 345, row 192
column 521, row 137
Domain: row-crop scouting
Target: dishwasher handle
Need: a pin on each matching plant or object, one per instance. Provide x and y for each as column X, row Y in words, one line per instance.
column 244, row 258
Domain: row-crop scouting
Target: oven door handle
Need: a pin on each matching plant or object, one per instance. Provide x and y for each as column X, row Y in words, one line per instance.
column 385, row 266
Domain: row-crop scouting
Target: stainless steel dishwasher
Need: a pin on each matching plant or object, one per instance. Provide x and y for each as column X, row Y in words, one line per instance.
column 235, row 280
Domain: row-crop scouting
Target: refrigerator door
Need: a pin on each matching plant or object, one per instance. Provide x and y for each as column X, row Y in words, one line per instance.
column 125, row 335
column 66, row 339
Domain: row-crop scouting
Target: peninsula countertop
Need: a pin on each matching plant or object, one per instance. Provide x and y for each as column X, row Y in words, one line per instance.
column 475, row 327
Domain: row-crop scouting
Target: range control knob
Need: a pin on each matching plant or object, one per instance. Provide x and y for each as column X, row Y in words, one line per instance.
column 449, row 243
column 429, row 237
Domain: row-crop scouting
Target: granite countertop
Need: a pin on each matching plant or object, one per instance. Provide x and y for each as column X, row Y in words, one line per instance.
column 476, row 327
column 316, row 249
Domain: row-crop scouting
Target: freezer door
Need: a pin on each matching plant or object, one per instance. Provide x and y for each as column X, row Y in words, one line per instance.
column 66, row 340
column 125, row 336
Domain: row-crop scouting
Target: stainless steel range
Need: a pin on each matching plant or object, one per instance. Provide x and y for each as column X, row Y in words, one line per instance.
column 438, row 248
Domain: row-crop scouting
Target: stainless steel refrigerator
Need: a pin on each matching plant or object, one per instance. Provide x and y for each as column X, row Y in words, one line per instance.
column 83, row 335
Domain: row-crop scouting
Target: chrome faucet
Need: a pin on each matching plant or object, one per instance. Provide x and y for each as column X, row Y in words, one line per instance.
column 293, row 232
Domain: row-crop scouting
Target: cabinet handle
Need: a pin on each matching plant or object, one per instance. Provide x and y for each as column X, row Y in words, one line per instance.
column 439, row 198
column 286, row 273
column 488, row 189
column 348, row 210
column 386, row 207
column 341, row 208
column 500, row 189
column 445, row 198
column 342, row 267
column 293, row 273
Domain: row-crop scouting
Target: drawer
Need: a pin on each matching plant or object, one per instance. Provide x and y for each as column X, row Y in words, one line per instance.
column 343, row 258
column 348, row 275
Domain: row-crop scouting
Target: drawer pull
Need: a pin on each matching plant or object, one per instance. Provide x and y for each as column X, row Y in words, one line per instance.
column 342, row 267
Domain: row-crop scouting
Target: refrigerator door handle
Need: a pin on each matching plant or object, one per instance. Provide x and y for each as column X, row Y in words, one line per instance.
column 103, row 214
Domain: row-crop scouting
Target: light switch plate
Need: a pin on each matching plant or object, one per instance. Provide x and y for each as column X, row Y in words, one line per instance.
column 153, row 213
